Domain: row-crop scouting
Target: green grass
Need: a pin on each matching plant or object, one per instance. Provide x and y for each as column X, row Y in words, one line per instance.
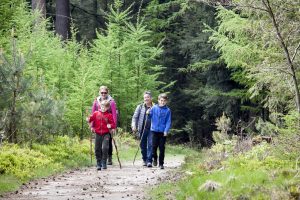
column 268, row 178
column 128, row 146
column 9, row 183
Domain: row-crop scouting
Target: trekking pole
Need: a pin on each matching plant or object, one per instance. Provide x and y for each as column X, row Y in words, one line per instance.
column 115, row 144
column 140, row 139
column 117, row 152
column 91, row 138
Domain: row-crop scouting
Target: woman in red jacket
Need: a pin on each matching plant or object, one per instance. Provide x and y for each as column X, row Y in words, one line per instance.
column 102, row 121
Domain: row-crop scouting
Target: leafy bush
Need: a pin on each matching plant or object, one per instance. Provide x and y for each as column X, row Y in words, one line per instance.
column 24, row 162
column 66, row 150
column 21, row 162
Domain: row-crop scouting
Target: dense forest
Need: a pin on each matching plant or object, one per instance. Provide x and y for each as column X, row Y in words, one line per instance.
column 231, row 69
column 212, row 57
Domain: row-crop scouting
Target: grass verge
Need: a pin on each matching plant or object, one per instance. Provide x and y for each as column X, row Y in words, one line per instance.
column 220, row 174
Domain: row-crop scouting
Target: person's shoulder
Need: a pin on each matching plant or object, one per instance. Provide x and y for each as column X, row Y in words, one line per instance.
column 140, row 105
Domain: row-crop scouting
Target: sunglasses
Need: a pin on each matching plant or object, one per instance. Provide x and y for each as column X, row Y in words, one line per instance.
column 103, row 92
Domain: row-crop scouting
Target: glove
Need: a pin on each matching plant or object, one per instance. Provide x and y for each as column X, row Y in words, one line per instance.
column 165, row 134
column 108, row 126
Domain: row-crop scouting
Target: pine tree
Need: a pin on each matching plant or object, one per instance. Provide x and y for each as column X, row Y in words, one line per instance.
column 125, row 58
column 13, row 83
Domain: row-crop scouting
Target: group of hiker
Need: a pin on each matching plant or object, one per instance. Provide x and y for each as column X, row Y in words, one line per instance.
column 151, row 122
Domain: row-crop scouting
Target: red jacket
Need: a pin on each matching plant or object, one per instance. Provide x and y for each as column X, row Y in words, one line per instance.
column 100, row 121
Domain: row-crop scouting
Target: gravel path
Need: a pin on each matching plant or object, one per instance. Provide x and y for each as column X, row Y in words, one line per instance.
column 113, row 184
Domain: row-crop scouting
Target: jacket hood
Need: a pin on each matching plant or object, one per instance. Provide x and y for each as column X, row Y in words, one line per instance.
column 109, row 98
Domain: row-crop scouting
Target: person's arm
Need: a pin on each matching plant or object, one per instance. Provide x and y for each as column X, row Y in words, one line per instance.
column 111, row 122
column 135, row 118
column 113, row 108
column 91, row 120
column 168, row 123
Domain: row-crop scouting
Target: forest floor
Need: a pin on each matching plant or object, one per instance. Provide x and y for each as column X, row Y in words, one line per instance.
column 130, row 182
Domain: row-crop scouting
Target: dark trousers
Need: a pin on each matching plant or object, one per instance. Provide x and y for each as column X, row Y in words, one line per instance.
column 158, row 141
column 101, row 146
column 110, row 147
column 146, row 145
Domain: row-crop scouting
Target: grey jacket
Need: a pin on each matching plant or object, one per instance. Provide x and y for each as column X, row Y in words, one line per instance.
column 138, row 117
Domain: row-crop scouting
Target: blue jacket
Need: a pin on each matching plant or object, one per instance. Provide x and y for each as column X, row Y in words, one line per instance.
column 160, row 119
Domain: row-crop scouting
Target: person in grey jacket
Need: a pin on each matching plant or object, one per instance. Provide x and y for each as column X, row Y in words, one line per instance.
column 141, row 123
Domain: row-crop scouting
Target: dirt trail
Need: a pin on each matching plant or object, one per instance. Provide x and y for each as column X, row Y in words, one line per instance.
column 113, row 183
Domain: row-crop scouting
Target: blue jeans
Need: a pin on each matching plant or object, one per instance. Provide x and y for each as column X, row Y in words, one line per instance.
column 146, row 146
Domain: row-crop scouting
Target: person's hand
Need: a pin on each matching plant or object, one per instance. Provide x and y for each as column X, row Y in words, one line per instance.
column 87, row 119
column 92, row 130
column 108, row 126
column 165, row 134
column 134, row 129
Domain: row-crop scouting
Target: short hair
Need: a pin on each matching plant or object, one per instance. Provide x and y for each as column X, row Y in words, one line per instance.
column 105, row 103
column 163, row 96
column 103, row 87
column 148, row 93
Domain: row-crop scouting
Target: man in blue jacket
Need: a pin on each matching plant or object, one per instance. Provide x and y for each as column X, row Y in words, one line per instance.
column 160, row 116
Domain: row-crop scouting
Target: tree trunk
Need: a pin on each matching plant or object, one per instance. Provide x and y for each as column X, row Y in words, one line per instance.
column 12, row 130
column 62, row 22
column 39, row 5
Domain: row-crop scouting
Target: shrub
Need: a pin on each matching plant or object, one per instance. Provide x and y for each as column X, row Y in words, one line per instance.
column 21, row 162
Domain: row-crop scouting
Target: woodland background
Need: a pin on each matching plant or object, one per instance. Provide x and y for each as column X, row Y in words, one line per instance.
column 230, row 67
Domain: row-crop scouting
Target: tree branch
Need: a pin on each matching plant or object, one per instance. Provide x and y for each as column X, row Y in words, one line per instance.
column 87, row 12
column 295, row 53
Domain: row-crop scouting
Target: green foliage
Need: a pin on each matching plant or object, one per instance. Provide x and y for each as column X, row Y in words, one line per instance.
column 249, row 42
column 21, row 162
column 7, row 10
column 65, row 150
column 123, row 58
column 257, row 174
column 26, row 163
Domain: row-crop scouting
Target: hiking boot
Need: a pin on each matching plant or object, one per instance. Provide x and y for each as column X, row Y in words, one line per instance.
column 149, row 164
column 161, row 167
column 144, row 163
column 155, row 163
column 104, row 166
column 99, row 165
column 109, row 160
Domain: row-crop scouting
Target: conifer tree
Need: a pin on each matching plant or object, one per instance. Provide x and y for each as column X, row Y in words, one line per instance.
column 262, row 39
column 124, row 58
column 14, row 83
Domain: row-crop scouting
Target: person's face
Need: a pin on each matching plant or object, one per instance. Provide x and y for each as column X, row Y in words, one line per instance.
column 103, row 108
column 103, row 93
column 162, row 102
column 147, row 98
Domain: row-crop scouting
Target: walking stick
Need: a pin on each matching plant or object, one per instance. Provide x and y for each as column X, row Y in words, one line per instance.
column 91, row 147
column 91, row 138
column 111, row 134
column 140, row 139
column 117, row 152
